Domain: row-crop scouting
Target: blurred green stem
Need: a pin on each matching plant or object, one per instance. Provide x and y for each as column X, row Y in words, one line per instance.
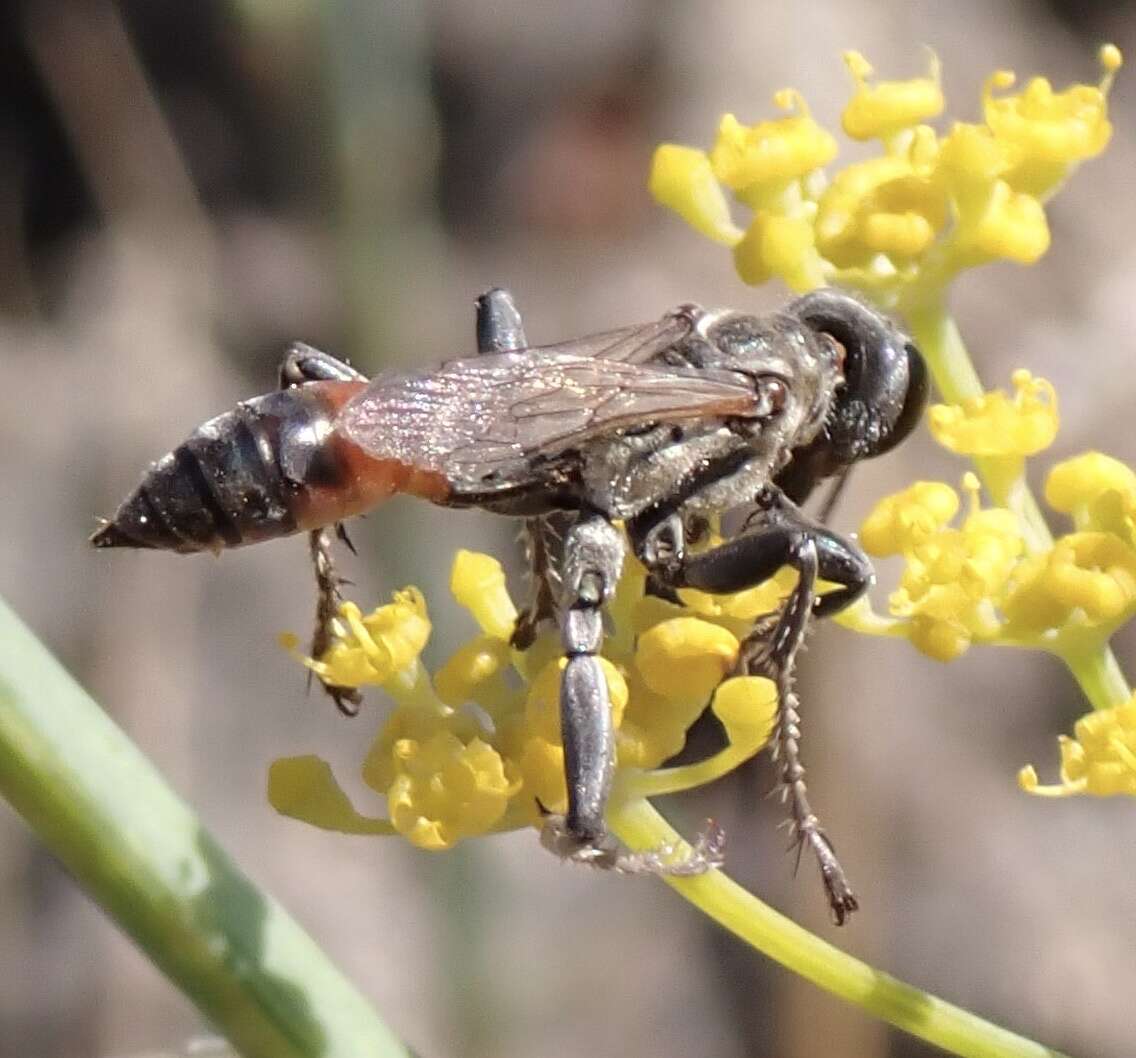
column 952, row 370
column 100, row 806
column 957, row 1031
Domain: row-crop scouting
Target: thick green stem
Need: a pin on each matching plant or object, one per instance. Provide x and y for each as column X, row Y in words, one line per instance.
column 955, row 1030
column 936, row 334
column 99, row 805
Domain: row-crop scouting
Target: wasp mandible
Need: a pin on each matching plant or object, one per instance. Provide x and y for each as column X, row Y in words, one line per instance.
column 658, row 426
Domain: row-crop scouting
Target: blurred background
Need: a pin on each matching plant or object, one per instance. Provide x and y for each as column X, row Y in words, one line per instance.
column 184, row 188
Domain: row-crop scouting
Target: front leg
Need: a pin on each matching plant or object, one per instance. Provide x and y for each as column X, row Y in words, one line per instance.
column 783, row 537
column 301, row 364
column 593, row 559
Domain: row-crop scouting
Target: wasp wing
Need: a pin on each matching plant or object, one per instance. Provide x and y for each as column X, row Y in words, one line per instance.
column 631, row 345
column 480, row 422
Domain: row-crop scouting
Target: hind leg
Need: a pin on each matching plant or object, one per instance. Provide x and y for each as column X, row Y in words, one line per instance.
column 302, row 363
column 500, row 329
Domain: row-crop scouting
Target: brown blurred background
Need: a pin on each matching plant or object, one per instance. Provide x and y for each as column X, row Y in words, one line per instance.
column 186, row 187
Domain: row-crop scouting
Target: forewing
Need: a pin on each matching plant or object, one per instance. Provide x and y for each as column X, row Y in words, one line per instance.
column 630, row 345
column 480, row 422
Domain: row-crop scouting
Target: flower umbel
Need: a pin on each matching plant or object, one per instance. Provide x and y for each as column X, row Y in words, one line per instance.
column 449, row 771
column 899, row 226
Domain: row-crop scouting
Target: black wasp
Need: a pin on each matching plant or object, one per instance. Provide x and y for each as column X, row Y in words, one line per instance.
column 656, row 426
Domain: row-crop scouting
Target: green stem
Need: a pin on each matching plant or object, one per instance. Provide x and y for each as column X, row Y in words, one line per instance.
column 937, row 335
column 1098, row 674
column 949, row 1027
column 100, row 806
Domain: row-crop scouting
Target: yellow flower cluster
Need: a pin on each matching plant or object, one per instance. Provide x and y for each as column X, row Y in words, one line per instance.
column 928, row 206
column 954, row 579
column 977, row 583
column 1100, row 759
column 473, row 749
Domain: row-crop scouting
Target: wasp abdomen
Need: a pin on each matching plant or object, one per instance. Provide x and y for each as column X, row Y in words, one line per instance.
column 245, row 476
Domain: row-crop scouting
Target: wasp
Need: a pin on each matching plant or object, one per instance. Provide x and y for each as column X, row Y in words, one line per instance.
column 660, row 427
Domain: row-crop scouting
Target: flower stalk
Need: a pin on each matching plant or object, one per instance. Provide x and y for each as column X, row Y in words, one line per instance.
column 932, row 1019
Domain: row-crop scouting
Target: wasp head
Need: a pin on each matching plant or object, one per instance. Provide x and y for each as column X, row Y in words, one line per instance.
column 883, row 394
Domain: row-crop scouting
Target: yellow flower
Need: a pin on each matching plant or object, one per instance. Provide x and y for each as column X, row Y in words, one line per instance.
column 1090, row 574
column 1099, row 492
column 881, row 110
column 1045, row 132
column 998, row 425
column 1100, row 759
column 747, row 708
column 1000, row 223
column 682, row 179
column 1093, row 572
column 899, row 226
column 305, row 789
column 478, row 583
column 749, row 159
column 476, row 672
column 450, row 773
column 370, row 650
column 418, row 723
column 445, row 789
column 685, row 658
column 899, row 522
column 885, row 205
column 954, row 578
column 776, row 245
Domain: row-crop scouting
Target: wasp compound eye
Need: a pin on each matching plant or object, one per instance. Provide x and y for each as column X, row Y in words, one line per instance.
column 885, row 384
column 914, row 402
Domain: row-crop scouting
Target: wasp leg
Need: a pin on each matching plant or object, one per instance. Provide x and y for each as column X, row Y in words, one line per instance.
column 499, row 325
column 540, row 537
column 328, row 597
column 783, row 537
column 593, row 559
column 500, row 329
column 303, row 364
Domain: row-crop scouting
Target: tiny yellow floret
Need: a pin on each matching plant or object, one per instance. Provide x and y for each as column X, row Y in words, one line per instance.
column 682, row 180
column 878, row 111
column 1099, row 760
column 1045, row 132
column 373, row 649
column 1093, row 572
column 1075, row 484
column 747, row 708
column 446, row 789
column 996, row 424
column 478, row 583
column 751, row 158
column 685, row 657
column 901, row 521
